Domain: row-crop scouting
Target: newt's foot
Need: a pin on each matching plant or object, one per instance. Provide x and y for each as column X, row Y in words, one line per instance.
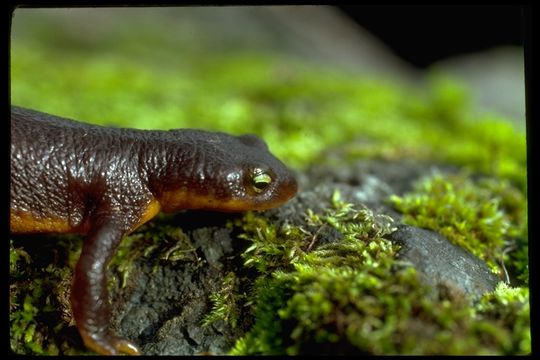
column 107, row 344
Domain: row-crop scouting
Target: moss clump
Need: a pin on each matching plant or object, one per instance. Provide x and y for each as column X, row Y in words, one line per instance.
column 165, row 243
column 509, row 308
column 352, row 296
column 40, row 313
column 225, row 303
column 268, row 251
column 453, row 133
column 486, row 217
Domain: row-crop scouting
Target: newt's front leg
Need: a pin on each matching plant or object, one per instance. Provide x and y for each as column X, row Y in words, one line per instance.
column 89, row 296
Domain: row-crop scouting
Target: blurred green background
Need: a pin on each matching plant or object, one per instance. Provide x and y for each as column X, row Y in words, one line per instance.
column 240, row 70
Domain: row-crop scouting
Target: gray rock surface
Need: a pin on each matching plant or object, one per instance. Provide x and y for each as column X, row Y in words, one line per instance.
column 439, row 262
column 163, row 307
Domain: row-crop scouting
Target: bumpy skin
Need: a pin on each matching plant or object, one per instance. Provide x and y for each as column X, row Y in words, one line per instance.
column 105, row 182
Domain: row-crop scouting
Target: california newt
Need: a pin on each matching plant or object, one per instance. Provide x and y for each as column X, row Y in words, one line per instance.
column 72, row 177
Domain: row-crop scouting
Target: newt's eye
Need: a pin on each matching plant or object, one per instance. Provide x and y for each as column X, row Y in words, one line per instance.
column 260, row 180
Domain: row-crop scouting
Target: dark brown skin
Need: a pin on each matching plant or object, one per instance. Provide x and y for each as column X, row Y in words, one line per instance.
column 71, row 177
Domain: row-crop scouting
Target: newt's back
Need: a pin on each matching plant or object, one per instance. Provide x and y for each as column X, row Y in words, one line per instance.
column 66, row 175
column 45, row 160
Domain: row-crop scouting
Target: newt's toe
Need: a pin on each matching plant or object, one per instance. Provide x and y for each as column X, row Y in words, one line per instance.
column 107, row 344
column 127, row 347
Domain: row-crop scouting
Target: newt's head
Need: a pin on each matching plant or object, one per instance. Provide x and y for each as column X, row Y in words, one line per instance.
column 222, row 172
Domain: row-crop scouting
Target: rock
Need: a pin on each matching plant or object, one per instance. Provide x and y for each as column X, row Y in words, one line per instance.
column 163, row 306
column 366, row 182
column 439, row 262
column 370, row 183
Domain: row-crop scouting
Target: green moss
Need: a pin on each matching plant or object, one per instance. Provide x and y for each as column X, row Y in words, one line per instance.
column 510, row 308
column 486, row 217
column 40, row 314
column 352, row 296
column 163, row 244
column 225, row 303
column 268, row 250
column 268, row 334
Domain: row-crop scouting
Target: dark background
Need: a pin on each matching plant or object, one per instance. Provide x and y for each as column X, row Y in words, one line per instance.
column 423, row 34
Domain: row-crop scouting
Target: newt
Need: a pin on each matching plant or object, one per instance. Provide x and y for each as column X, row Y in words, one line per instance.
column 105, row 182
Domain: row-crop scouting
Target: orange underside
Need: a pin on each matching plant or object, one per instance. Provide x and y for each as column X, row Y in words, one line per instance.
column 152, row 210
column 25, row 222
column 176, row 200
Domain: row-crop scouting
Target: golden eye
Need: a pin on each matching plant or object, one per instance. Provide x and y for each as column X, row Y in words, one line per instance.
column 260, row 180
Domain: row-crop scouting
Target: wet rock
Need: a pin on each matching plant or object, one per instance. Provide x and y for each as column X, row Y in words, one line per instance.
column 215, row 250
column 163, row 306
column 440, row 262
column 183, row 334
column 364, row 182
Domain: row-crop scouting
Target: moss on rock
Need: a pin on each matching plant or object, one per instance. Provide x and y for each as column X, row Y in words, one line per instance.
column 486, row 216
column 353, row 297
column 40, row 312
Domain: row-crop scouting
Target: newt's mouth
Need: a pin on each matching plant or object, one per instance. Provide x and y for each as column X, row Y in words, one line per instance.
column 282, row 191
